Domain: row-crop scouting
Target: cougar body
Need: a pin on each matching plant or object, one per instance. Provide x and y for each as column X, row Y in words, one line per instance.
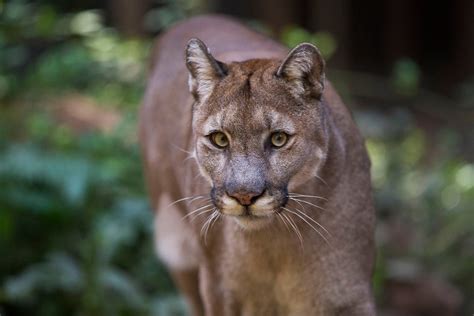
column 256, row 142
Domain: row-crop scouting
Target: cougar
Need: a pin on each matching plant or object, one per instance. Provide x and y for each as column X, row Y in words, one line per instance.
column 257, row 174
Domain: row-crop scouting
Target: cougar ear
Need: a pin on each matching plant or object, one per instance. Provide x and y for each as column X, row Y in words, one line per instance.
column 303, row 69
column 204, row 70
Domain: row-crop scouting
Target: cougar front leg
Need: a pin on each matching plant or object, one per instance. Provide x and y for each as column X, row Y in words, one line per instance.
column 188, row 284
column 177, row 248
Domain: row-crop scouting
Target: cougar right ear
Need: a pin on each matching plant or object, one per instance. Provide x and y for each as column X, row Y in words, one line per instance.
column 204, row 70
column 303, row 69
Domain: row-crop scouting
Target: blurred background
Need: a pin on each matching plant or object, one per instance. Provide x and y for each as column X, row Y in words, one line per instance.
column 75, row 232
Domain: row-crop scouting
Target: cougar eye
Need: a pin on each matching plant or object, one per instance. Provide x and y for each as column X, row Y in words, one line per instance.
column 219, row 139
column 279, row 139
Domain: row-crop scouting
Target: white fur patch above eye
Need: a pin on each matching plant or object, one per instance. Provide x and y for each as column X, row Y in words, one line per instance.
column 213, row 122
column 281, row 122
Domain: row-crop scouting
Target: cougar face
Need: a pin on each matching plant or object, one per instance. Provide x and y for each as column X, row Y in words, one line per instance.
column 259, row 130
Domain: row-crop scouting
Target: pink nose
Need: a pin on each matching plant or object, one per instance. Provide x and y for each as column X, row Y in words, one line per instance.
column 245, row 198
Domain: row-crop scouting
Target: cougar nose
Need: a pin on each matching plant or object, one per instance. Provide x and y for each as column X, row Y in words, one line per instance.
column 245, row 198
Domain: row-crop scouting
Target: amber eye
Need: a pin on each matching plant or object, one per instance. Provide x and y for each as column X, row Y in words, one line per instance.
column 279, row 139
column 219, row 139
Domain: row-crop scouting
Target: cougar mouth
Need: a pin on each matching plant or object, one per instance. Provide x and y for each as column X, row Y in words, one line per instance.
column 251, row 221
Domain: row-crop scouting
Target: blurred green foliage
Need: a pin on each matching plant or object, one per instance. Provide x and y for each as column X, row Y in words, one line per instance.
column 325, row 41
column 433, row 198
column 406, row 77
column 171, row 11
column 75, row 226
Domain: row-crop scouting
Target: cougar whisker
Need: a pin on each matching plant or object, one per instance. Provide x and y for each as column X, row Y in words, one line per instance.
column 206, row 199
column 309, row 224
column 295, row 228
column 208, row 219
column 188, row 158
column 291, row 199
column 215, row 218
column 182, row 149
column 199, row 214
column 309, row 203
column 197, row 210
column 206, row 226
column 307, row 196
column 185, row 199
column 314, row 221
column 283, row 221
column 218, row 215
column 322, row 180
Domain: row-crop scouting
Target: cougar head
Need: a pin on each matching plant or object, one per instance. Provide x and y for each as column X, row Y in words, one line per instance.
column 259, row 128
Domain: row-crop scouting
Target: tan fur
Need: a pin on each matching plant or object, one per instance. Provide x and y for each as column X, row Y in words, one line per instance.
column 260, row 259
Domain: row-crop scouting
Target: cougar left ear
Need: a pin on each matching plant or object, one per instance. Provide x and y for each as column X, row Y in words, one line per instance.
column 204, row 70
column 303, row 68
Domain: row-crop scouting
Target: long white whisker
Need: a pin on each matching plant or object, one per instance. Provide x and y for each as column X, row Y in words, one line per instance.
column 295, row 228
column 181, row 149
column 215, row 217
column 314, row 221
column 200, row 197
column 185, row 198
column 201, row 213
column 292, row 199
column 209, row 218
column 283, row 221
column 310, row 225
column 207, row 224
column 189, row 157
column 204, row 227
column 309, row 203
column 308, row 196
column 322, row 180
column 197, row 210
